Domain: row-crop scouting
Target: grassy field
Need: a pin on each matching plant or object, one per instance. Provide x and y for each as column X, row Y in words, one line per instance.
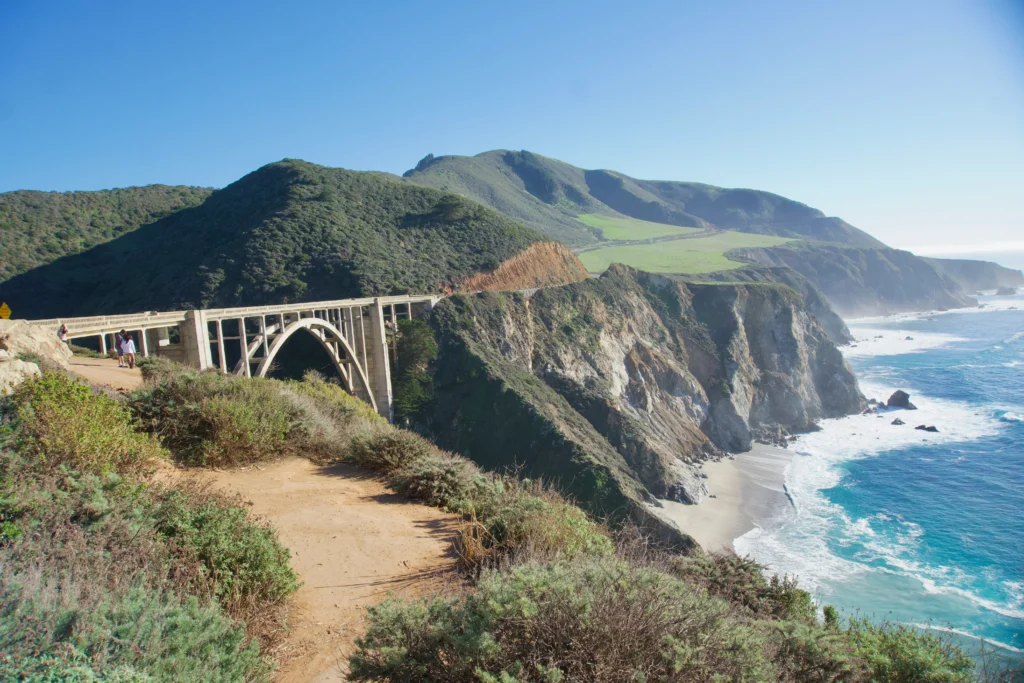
column 698, row 255
column 613, row 228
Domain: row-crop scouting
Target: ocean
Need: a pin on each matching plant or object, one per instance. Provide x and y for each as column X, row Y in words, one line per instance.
column 918, row 528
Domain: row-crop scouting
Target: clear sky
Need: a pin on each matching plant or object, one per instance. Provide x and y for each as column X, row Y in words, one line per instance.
column 904, row 118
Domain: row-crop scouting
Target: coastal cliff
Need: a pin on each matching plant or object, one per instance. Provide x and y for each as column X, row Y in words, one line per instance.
column 861, row 282
column 974, row 276
column 617, row 388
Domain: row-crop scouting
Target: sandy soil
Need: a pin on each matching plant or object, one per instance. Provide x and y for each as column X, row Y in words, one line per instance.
column 353, row 542
column 747, row 487
column 104, row 372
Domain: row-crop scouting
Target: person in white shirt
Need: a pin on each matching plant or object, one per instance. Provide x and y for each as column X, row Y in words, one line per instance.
column 128, row 346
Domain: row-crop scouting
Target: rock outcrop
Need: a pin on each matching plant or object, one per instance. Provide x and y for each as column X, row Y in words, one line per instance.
column 617, row 388
column 23, row 347
column 900, row 399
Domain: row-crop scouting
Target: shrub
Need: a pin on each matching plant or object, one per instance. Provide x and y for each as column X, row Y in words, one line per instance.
column 440, row 479
column 105, row 592
column 599, row 621
column 741, row 581
column 213, row 419
column 59, row 421
column 903, row 654
column 245, row 562
column 387, row 450
column 71, row 667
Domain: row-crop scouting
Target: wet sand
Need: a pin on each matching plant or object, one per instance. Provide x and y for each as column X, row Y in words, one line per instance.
column 748, row 487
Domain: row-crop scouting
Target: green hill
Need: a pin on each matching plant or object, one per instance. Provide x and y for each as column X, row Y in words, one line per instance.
column 289, row 231
column 39, row 227
column 555, row 197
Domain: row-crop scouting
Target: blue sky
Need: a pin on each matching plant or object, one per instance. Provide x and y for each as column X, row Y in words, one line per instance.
column 906, row 118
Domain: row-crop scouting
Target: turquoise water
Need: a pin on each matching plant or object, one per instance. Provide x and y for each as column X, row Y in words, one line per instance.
column 908, row 526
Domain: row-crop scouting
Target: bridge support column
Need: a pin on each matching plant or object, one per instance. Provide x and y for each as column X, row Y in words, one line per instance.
column 379, row 370
column 195, row 339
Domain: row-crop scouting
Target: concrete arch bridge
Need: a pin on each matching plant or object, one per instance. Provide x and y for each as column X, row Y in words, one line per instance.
column 245, row 341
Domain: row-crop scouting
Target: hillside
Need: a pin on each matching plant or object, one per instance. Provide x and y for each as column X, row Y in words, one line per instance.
column 37, row 228
column 617, row 388
column 860, row 282
column 551, row 196
column 290, row 231
column 973, row 276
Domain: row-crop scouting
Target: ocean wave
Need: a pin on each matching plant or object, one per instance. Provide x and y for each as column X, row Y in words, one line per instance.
column 1007, row 416
column 989, row 304
column 881, row 342
column 1014, row 337
column 964, row 634
column 800, row 544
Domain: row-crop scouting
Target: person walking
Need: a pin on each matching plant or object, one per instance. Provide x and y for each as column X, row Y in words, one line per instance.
column 119, row 347
column 129, row 350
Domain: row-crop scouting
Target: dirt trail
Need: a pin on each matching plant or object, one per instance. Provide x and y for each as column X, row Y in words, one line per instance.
column 352, row 543
column 104, row 372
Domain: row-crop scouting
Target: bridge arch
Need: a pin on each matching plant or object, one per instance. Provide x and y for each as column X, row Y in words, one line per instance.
column 328, row 335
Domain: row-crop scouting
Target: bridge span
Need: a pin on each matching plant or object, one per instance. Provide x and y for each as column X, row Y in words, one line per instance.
column 355, row 333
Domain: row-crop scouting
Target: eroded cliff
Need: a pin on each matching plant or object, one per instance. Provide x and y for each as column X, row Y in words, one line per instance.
column 618, row 388
column 542, row 264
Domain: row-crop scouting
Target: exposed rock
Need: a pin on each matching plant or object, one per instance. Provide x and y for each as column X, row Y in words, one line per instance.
column 900, row 399
column 19, row 339
column 21, row 345
column 929, row 428
column 13, row 371
column 542, row 264
column 1006, row 291
column 898, row 422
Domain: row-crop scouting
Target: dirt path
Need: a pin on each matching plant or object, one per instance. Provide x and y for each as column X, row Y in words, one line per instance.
column 104, row 371
column 352, row 543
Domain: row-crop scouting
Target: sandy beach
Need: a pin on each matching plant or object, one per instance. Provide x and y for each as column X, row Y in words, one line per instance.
column 748, row 488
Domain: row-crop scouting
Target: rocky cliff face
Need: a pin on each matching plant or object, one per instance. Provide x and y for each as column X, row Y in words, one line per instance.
column 814, row 299
column 618, row 388
column 861, row 282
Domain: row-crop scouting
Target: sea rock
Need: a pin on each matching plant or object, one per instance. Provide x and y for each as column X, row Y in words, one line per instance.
column 1006, row 291
column 900, row 399
column 898, row 422
column 929, row 428
column 908, row 338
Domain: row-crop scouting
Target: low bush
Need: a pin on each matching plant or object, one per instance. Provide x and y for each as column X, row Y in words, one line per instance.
column 741, row 581
column 903, row 654
column 244, row 561
column 601, row 621
column 107, row 592
column 211, row 419
column 69, row 667
column 439, row 479
column 60, row 421
column 388, row 450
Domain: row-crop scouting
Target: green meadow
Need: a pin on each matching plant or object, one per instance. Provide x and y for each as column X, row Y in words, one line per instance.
column 697, row 255
column 615, row 228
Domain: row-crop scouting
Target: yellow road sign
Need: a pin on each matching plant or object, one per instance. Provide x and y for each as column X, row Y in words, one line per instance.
column 5, row 311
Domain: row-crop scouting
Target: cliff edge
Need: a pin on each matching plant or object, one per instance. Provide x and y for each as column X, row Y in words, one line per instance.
column 617, row 388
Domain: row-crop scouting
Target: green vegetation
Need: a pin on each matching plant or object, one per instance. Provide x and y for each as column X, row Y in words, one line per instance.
column 618, row 228
column 697, row 255
column 416, row 350
column 290, row 231
column 549, row 195
column 37, row 228
column 111, row 576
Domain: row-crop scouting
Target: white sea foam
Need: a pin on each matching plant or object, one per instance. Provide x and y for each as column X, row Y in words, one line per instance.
column 881, row 342
column 965, row 634
column 799, row 544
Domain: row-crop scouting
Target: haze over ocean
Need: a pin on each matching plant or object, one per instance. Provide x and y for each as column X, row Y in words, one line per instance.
column 905, row 525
